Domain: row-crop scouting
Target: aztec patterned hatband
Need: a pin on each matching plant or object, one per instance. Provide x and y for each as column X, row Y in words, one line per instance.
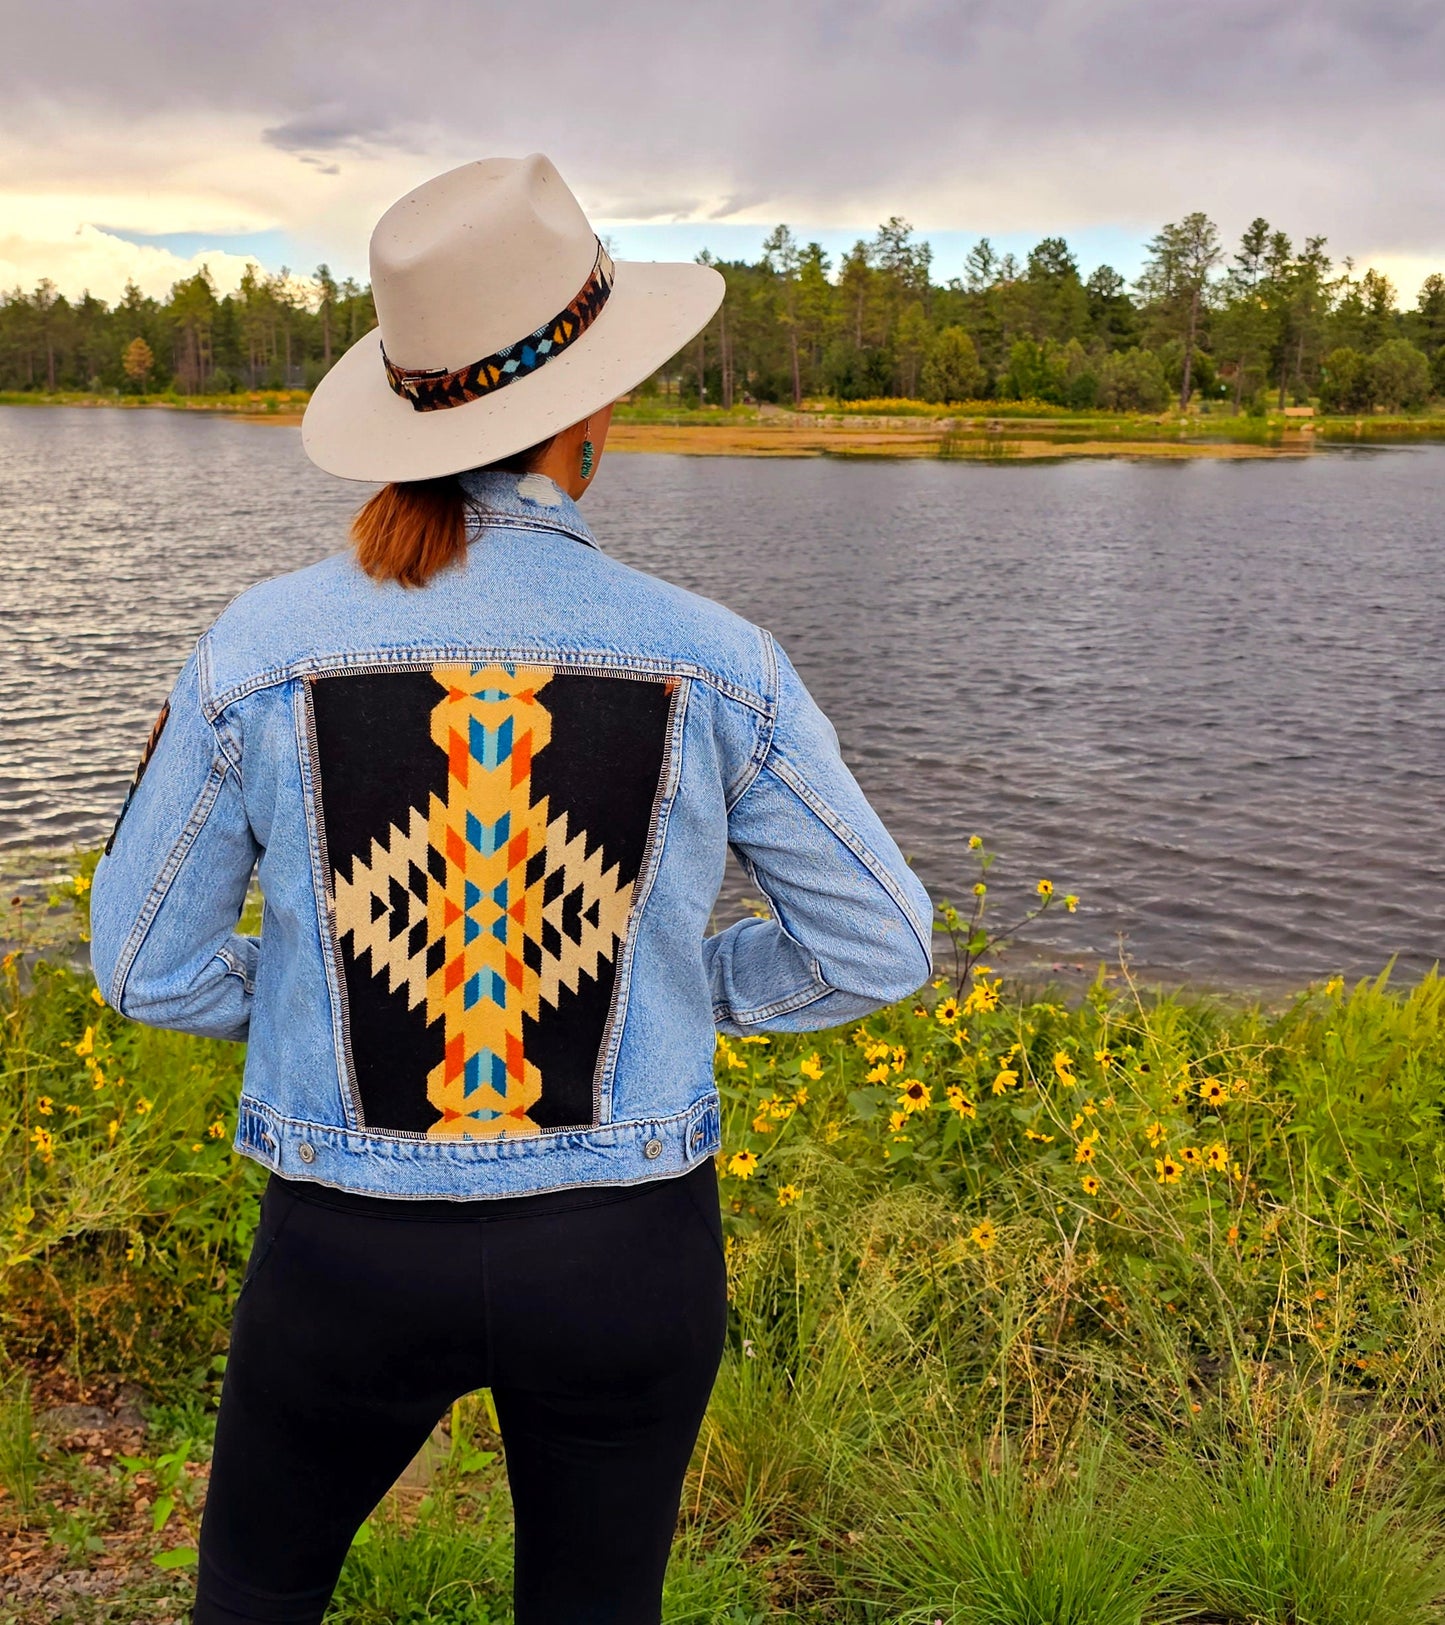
column 481, row 883
column 431, row 390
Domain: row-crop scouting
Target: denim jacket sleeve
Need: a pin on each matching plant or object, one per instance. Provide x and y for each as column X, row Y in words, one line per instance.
column 851, row 927
column 169, row 891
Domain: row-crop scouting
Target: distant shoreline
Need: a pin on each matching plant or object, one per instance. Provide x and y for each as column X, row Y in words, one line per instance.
column 978, row 431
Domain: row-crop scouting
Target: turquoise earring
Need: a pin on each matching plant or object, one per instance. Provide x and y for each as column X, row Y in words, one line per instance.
column 589, row 453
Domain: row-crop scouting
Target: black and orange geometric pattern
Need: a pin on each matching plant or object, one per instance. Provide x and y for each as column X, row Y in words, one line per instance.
column 485, row 827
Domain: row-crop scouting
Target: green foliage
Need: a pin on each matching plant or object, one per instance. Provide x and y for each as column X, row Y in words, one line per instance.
column 1132, row 381
column 1126, row 1307
column 976, row 1542
column 952, row 371
column 1399, row 376
column 19, row 1451
column 1303, row 1526
column 124, row 1217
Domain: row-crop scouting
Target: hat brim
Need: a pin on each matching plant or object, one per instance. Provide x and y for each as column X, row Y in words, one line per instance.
column 357, row 427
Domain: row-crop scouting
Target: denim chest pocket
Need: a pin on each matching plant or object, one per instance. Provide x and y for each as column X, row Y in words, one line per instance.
column 482, row 831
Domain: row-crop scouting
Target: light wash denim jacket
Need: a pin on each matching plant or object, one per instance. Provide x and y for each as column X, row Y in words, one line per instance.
column 489, row 820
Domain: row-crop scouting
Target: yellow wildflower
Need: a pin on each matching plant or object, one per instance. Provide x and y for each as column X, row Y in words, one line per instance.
column 71, row 1111
column 1211, row 1091
column 44, row 1142
column 788, row 1193
column 960, row 1102
column 112, row 1128
column 1168, row 1169
column 81, row 884
column 916, row 1096
column 812, row 1067
column 1103, row 1059
column 1085, row 1151
column 142, row 1105
column 762, row 1124
column 781, row 1109
column 984, row 1234
column 982, row 997
column 1071, row 903
column 1005, row 1080
column 1154, row 1133
column 975, row 842
column 1045, row 888
column 979, row 889
column 1217, row 1156
column 896, row 1119
column 1189, row 1156
column 755, row 1038
column 800, row 1096
column 96, row 997
column 45, row 1105
column 742, row 1164
column 1043, row 1139
column 87, row 1044
column 217, row 1129
column 1064, row 1066
column 876, row 1051
column 1334, row 987
column 879, row 1073
column 832, row 1133
column 1091, row 1184
column 1077, row 1123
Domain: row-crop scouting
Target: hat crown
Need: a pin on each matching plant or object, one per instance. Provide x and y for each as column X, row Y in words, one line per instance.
column 476, row 259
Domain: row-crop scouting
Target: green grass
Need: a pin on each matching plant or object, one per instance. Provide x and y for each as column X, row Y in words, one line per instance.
column 1121, row 1309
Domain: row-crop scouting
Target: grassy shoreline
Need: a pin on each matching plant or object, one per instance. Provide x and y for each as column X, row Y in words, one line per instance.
column 1122, row 1310
column 975, row 431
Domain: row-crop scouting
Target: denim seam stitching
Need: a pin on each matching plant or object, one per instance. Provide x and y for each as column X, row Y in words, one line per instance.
column 763, row 744
column 489, row 519
column 235, row 968
column 433, row 654
column 820, row 810
column 400, row 1137
column 204, row 805
column 309, row 764
column 821, row 987
column 658, row 820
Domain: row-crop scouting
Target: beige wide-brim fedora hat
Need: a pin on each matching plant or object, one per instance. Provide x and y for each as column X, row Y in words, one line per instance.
column 502, row 319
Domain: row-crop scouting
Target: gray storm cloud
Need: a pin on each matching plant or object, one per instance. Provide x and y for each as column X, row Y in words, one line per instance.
column 976, row 113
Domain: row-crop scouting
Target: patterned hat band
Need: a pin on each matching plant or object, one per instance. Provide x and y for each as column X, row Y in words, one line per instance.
column 431, row 389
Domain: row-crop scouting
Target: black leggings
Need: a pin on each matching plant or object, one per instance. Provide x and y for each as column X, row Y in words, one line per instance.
column 596, row 1317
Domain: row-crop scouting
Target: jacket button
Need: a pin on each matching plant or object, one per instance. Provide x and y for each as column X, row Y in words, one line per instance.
column 652, row 1149
column 697, row 1138
column 306, row 1152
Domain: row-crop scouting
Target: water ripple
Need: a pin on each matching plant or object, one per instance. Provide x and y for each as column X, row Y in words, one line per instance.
column 1204, row 695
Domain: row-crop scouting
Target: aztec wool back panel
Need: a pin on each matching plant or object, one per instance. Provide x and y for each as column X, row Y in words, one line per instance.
column 483, row 828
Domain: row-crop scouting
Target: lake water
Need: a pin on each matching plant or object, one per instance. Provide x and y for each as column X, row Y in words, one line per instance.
column 1206, row 696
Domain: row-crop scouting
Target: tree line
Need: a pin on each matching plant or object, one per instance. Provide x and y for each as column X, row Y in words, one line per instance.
column 1264, row 324
column 276, row 331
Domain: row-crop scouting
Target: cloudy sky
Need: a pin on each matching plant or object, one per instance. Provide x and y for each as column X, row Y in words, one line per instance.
column 140, row 139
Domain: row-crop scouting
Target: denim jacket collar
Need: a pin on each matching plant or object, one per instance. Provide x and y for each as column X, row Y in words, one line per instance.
column 533, row 498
